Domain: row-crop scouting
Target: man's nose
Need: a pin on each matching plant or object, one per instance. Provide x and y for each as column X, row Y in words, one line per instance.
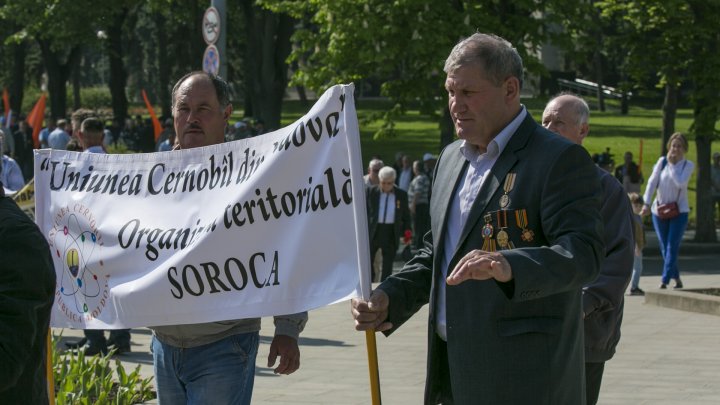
column 457, row 105
column 192, row 116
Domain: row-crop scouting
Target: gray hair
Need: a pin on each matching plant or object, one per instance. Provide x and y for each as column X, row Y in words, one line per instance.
column 376, row 164
column 580, row 107
column 496, row 56
column 222, row 88
column 387, row 173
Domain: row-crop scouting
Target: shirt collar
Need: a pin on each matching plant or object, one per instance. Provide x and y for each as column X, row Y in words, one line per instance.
column 498, row 144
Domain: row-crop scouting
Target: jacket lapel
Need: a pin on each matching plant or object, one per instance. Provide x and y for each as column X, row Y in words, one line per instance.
column 496, row 177
column 443, row 191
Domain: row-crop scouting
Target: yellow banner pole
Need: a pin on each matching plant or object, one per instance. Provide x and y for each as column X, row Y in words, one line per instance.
column 49, row 369
column 373, row 366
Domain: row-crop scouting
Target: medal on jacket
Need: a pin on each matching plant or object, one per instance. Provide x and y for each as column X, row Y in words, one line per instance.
column 507, row 187
column 487, row 232
column 502, row 237
column 522, row 223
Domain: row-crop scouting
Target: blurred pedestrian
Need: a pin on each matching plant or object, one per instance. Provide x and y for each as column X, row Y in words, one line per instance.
column 670, row 207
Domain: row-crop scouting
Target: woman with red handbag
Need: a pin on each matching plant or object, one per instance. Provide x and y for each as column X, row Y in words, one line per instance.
column 670, row 208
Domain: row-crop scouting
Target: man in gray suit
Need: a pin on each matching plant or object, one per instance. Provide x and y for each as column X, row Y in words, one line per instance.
column 603, row 299
column 515, row 234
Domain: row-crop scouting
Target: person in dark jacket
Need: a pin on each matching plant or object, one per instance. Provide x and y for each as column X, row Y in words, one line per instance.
column 27, row 287
column 603, row 299
column 388, row 218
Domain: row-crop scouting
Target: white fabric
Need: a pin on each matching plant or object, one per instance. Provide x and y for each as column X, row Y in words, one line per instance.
column 261, row 226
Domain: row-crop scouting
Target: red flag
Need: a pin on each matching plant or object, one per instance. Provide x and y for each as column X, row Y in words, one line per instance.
column 35, row 119
column 156, row 123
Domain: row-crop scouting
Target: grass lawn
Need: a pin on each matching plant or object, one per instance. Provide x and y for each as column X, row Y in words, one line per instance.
column 419, row 133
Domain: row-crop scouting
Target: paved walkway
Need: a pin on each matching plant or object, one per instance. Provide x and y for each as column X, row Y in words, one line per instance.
column 666, row 356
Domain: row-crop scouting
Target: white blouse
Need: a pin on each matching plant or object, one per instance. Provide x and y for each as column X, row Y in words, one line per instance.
column 672, row 185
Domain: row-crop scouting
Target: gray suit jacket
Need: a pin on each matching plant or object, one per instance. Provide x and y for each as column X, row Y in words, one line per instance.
column 519, row 342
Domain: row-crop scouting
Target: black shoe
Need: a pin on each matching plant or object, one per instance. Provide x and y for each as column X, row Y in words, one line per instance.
column 120, row 349
column 663, row 286
column 76, row 344
column 678, row 285
column 90, row 350
column 637, row 291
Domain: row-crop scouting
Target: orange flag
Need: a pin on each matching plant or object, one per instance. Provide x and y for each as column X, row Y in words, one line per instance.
column 35, row 119
column 156, row 123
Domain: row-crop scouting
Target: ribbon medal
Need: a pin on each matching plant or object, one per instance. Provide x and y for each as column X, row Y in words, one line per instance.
column 487, row 232
column 507, row 187
column 502, row 237
column 522, row 223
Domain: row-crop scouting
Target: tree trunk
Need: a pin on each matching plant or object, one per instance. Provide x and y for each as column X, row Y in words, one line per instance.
column 599, row 79
column 669, row 109
column 268, row 39
column 163, row 66
column 58, row 73
column 706, row 105
column 118, row 74
column 704, row 124
column 447, row 131
column 17, row 78
column 76, row 86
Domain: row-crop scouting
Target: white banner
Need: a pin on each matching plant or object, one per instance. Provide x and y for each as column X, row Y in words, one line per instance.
column 269, row 225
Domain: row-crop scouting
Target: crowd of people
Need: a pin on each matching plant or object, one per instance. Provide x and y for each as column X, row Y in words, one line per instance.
column 405, row 187
column 522, row 246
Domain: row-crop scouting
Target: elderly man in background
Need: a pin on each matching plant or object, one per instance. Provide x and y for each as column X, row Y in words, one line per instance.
column 603, row 299
column 371, row 178
column 388, row 218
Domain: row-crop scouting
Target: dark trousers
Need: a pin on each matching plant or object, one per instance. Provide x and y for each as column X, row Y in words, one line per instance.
column 442, row 385
column 96, row 337
column 384, row 238
column 593, row 380
column 421, row 224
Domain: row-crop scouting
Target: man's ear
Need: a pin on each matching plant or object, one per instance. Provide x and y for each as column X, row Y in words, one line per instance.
column 512, row 87
column 584, row 129
column 227, row 113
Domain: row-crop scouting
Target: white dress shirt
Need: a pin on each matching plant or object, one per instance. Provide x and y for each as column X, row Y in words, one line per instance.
column 461, row 203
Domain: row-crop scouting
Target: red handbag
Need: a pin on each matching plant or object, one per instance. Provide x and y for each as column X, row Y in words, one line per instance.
column 667, row 211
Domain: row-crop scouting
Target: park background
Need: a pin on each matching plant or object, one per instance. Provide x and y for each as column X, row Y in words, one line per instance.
column 648, row 68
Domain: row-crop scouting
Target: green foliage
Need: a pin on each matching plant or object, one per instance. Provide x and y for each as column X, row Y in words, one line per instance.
column 402, row 44
column 94, row 98
column 89, row 380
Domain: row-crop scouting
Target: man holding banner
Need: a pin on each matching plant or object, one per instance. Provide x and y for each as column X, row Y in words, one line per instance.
column 515, row 234
column 214, row 363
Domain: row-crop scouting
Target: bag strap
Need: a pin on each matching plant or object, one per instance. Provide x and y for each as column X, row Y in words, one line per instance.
column 664, row 163
column 657, row 183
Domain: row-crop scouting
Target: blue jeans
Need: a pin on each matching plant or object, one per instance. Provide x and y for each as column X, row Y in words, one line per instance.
column 670, row 233
column 222, row 372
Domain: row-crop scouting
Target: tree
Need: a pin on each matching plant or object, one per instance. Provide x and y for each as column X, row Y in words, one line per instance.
column 403, row 45
column 118, row 74
column 680, row 39
column 267, row 48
